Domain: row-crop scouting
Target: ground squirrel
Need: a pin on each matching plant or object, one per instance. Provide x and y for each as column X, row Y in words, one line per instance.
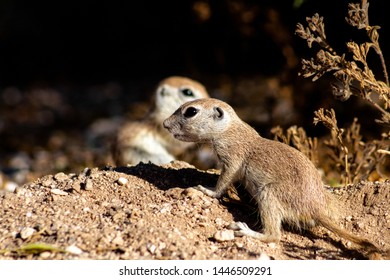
column 284, row 183
column 146, row 140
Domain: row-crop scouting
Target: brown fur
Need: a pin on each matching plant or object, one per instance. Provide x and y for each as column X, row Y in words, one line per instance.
column 285, row 184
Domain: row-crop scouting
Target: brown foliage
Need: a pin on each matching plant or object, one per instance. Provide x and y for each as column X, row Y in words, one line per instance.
column 346, row 152
column 353, row 77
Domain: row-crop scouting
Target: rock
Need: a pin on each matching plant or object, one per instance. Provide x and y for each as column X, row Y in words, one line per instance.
column 224, row 235
column 47, row 181
column 88, row 185
column 122, row 181
column 58, row 192
column 26, row 232
column 73, row 249
column 45, row 255
column 61, row 176
column 151, row 248
column 76, row 186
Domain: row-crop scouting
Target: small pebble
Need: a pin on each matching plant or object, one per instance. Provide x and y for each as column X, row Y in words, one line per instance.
column 45, row 255
column 61, row 176
column 76, row 186
column 47, row 182
column 26, row 232
column 58, row 192
column 224, row 235
column 151, row 248
column 88, row 185
column 73, row 249
column 122, row 181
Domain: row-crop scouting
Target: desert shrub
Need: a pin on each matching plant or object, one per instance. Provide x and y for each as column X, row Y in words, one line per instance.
column 347, row 153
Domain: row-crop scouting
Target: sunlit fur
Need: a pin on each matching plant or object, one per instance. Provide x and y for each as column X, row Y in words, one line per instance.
column 285, row 184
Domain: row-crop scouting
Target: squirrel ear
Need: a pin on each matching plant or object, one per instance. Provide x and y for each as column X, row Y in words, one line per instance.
column 218, row 113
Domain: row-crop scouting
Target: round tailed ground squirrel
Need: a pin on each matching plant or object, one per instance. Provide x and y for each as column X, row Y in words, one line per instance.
column 284, row 183
column 146, row 140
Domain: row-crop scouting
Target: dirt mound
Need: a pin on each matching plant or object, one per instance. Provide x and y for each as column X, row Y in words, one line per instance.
column 150, row 212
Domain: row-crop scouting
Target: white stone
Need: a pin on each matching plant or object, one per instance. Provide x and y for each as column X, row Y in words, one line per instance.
column 224, row 235
column 45, row 255
column 58, row 192
column 26, row 232
column 61, row 176
column 73, row 249
column 122, row 181
column 151, row 248
column 88, row 185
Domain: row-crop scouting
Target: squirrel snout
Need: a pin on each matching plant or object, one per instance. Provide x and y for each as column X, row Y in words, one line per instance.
column 166, row 124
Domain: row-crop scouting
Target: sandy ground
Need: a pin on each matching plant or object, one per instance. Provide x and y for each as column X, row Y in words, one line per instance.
column 151, row 212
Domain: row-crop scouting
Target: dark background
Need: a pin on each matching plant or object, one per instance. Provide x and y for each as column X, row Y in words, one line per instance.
column 64, row 64
column 97, row 41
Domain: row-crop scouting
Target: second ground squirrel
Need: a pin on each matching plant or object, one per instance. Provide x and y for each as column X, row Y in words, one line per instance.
column 146, row 140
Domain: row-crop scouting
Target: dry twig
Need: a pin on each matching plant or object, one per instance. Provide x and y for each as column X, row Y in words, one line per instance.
column 354, row 77
column 350, row 155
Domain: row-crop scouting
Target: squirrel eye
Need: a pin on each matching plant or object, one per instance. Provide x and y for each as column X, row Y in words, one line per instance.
column 187, row 92
column 190, row 112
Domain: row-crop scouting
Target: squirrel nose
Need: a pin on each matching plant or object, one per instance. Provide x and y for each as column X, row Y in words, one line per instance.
column 166, row 124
